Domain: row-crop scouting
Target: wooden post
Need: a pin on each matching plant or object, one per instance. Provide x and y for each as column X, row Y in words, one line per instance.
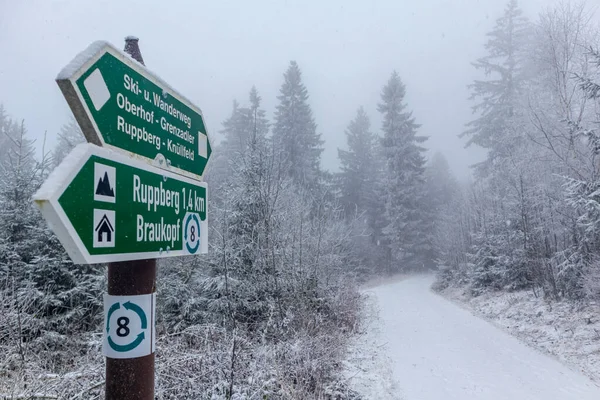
column 132, row 378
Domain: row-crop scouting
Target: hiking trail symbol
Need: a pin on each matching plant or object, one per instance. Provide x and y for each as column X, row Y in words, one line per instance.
column 104, row 183
column 191, row 232
column 129, row 326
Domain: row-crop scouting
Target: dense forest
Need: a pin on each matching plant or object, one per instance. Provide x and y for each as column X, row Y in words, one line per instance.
column 269, row 311
column 530, row 219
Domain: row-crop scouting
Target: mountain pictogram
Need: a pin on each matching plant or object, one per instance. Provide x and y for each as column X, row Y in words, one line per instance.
column 104, row 188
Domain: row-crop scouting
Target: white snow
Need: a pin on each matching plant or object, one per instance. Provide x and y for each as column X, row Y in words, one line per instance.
column 81, row 59
column 569, row 330
column 93, row 49
column 442, row 351
column 368, row 367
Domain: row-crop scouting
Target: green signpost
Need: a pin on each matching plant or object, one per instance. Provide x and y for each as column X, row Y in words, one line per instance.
column 138, row 197
column 121, row 105
column 106, row 207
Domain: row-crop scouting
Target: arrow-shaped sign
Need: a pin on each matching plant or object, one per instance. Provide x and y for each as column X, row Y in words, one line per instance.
column 107, row 207
column 120, row 104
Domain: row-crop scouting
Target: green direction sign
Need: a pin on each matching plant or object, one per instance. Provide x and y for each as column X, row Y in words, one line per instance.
column 108, row 207
column 120, row 104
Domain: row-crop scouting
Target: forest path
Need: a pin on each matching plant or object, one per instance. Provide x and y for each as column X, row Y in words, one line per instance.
column 441, row 351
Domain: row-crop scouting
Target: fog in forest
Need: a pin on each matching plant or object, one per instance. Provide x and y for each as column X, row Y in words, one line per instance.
column 374, row 167
column 213, row 52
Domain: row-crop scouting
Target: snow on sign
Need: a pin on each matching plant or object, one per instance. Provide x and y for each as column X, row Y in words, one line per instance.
column 129, row 323
column 107, row 207
column 121, row 105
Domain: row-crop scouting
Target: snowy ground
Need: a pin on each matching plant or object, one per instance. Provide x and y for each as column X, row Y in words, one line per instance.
column 369, row 367
column 436, row 350
column 566, row 330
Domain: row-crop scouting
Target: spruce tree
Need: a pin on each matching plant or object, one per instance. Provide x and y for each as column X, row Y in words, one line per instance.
column 441, row 190
column 239, row 284
column 295, row 131
column 248, row 207
column 3, row 119
column 441, row 183
column 30, row 254
column 406, row 212
column 227, row 155
column 19, row 179
column 357, row 165
column 235, row 131
column 503, row 66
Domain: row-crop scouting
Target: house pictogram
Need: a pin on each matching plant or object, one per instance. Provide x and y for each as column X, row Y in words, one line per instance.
column 104, row 229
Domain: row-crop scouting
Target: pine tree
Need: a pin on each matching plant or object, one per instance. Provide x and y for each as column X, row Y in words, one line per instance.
column 441, row 190
column 498, row 95
column 227, row 155
column 235, row 131
column 3, row 120
column 583, row 196
column 359, row 188
column 360, row 177
column 441, row 183
column 405, row 165
column 357, row 165
column 19, row 178
column 248, row 207
column 239, row 284
column 6, row 125
column 59, row 293
column 295, row 131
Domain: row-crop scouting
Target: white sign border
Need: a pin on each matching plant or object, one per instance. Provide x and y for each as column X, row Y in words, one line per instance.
column 75, row 69
column 150, row 299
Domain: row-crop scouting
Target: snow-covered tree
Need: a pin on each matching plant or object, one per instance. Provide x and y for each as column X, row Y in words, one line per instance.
column 581, row 263
column 359, row 165
column 498, row 94
column 7, row 128
column 441, row 183
column 295, row 131
column 235, row 131
column 525, row 228
column 20, row 178
column 441, row 189
column 409, row 222
column 360, row 185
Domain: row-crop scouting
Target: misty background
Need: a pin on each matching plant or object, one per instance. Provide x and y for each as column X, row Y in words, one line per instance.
column 275, row 309
column 213, row 52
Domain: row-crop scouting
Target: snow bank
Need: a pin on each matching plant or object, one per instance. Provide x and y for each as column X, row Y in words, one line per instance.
column 368, row 366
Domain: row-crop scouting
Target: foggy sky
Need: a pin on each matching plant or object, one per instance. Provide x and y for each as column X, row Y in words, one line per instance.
column 214, row 51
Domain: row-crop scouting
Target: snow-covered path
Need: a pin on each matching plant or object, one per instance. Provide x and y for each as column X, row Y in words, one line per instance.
column 440, row 351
